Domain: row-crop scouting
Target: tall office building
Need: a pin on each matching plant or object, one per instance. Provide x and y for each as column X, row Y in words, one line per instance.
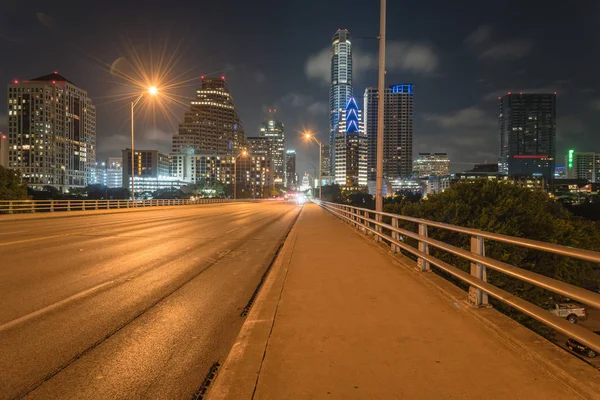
column 51, row 132
column 341, row 86
column 291, row 179
column 273, row 130
column 528, row 135
column 212, row 125
column 397, row 131
column 431, row 164
column 351, row 149
column 583, row 165
column 3, row 150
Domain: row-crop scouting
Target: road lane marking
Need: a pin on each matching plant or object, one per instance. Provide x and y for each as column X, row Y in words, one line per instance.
column 51, row 307
column 231, row 230
column 38, row 239
column 12, row 233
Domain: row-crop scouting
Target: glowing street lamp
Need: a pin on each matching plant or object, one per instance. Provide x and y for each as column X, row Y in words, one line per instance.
column 310, row 136
column 153, row 91
column 243, row 153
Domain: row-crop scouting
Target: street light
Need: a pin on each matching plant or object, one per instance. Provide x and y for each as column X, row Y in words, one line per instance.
column 153, row 91
column 310, row 136
column 243, row 153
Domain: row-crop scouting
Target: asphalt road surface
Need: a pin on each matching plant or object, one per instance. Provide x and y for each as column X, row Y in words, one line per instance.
column 129, row 305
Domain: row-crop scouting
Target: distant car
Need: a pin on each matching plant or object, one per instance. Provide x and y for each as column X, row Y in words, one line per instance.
column 570, row 311
column 580, row 348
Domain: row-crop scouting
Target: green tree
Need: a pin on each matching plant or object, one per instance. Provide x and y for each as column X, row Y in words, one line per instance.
column 332, row 193
column 11, row 187
column 208, row 188
column 510, row 210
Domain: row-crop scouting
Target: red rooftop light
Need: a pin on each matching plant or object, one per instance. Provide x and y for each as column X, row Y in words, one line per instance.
column 16, row 81
column 508, row 92
column 223, row 77
column 53, row 81
column 55, row 73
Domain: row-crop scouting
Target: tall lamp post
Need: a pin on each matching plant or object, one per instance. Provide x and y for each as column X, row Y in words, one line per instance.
column 380, row 111
column 243, row 153
column 153, row 91
column 310, row 136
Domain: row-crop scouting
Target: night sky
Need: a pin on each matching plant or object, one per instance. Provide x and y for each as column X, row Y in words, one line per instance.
column 275, row 54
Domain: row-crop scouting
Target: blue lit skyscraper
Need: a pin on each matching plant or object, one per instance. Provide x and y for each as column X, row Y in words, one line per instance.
column 341, row 85
column 351, row 149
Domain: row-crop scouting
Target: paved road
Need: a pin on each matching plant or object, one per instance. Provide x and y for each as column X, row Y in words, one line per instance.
column 129, row 305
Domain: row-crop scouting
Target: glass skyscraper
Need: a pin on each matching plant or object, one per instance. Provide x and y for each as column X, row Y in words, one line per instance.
column 341, row 85
column 528, row 135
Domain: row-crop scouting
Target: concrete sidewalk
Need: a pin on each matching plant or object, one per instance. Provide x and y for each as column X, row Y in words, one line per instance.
column 339, row 318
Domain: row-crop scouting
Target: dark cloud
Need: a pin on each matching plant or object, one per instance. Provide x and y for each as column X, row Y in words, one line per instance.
column 509, row 50
column 479, row 35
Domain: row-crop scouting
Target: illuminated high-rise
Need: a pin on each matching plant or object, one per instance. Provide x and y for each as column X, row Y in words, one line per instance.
column 274, row 133
column 397, row 131
column 528, row 135
column 212, row 124
column 351, row 149
column 341, row 86
column 51, row 132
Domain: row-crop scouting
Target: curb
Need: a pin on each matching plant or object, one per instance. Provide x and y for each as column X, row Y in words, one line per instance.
column 238, row 376
column 73, row 214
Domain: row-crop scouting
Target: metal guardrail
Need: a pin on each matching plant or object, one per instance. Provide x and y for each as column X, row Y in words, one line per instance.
column 35, row 206
column 370, row 221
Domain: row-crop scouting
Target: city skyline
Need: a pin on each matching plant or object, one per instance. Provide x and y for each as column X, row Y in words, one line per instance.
column 471, row 62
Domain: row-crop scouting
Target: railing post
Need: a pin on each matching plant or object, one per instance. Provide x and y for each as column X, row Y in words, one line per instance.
column 51, row 205
column 68, row 205
column 367, row 225
column 422, row 264
column 33, row 206
column 96, row 204
column 378, row 228
column 477, row 297
column 395, row 236
column 10, row 207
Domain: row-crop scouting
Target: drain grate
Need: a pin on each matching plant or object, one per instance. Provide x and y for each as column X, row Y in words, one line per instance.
column 212, row 372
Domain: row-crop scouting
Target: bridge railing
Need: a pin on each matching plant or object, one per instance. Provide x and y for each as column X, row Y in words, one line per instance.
column 35, row 206
column 370, row 221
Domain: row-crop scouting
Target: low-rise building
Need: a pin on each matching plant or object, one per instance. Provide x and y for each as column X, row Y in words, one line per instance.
column 431, row 164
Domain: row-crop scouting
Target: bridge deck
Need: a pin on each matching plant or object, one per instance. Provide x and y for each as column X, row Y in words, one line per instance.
column 350, row 323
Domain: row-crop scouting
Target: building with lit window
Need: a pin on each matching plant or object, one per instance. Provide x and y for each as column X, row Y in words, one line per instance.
column 273, row 130
column 152, row 172
column 3, row 150
column 51, row 132
column 108, row 173
column 431, row 164
column 528, row 135
column 291, row 179
column 212, row 124
column 341, row 87
column 351, row 149
column 438, row 184
column 583, row 165
column 254, row 173
column 397, row 132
